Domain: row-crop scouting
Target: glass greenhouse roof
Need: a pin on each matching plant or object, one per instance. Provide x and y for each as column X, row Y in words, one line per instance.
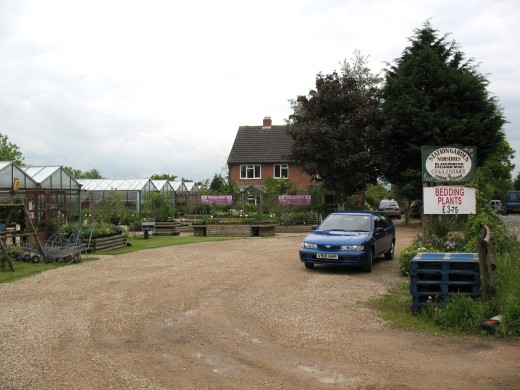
column 116, row 184
column 160, row 184
column 10, row 171
column 179, row 186
column 191, row 186
column 51, row 177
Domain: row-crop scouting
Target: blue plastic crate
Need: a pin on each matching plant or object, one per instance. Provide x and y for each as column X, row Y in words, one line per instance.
column 436, row 276
column 444, row 262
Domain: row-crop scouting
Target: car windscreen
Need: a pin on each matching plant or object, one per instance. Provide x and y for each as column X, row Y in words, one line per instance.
column 347, row 223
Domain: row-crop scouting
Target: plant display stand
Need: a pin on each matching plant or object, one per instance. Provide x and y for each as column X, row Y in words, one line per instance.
column 167, row 228
column 104, row 243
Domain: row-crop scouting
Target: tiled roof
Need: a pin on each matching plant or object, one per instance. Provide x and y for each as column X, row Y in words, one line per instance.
column 257, row 144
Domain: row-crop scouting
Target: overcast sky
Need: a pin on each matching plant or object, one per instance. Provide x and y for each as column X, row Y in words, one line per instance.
column 134, row 88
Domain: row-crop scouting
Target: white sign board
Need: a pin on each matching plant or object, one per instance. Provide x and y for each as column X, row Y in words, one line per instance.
column 449, row 200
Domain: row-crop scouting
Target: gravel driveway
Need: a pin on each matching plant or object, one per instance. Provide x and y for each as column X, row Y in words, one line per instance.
column 229, row 315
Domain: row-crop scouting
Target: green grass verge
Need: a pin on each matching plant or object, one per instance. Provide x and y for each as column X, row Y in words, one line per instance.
column 139, row 243
column 27, row 269
column 394, row 307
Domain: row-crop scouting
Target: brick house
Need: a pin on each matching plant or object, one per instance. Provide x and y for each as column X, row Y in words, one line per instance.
column 260, row 152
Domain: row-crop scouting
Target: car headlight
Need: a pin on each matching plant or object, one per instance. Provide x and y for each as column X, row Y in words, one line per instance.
column 352, row 247
column 308, row 245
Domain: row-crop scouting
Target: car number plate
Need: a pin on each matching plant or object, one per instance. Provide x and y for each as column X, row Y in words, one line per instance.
column 328, row 256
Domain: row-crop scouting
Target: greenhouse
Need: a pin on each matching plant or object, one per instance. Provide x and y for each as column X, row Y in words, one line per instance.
column 49, row 193
column 181, row 194
column 193, row 194
column 165, row 189
column 133, row 193
column 56, row 201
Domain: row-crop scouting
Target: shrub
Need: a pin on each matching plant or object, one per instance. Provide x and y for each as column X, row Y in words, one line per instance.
column 406, row 257
column 442, row 225
column 463, row 313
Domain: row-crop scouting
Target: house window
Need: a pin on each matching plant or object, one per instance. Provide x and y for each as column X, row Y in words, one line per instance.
column 251, row 171
column 281, row 171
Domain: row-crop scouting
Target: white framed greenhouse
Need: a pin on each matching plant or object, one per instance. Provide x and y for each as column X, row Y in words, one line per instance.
column 50, row 194
column 165, row 188
column 135, row 194
column 56, row 201
column 193, row 195
column 181, row 194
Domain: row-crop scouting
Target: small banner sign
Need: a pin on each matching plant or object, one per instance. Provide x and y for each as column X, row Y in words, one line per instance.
column 448, row 163
column 449, row 200
column 217, row 199
column 301, row 200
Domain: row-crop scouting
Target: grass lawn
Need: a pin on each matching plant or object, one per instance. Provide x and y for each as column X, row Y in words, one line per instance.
column 138, row 243
column 26, row 269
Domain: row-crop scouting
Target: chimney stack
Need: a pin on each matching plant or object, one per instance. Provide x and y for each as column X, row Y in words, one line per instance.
column 267, row 122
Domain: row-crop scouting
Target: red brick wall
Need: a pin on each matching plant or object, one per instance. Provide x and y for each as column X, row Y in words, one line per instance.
column 297, row 178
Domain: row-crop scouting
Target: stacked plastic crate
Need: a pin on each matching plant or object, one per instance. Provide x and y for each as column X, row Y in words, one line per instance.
column 436, row 277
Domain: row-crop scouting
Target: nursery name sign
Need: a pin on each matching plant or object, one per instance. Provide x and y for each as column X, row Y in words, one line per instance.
column 449, row 200
column 448, row 163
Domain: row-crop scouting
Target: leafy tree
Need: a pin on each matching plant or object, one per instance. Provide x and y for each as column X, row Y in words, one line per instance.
column 434, row 97
column 374, row 193
column 10, row 151
column 78, row 174
column 217, row 184
column 159, row 207
column 277, row 186
column 163, row 176
column 338, row 129
column 494, row 177
column 516, row 184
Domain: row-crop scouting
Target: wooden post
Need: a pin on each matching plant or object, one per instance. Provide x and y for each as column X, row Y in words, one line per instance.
column 487, row 285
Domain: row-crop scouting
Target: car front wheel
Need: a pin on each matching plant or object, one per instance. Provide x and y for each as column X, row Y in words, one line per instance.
column 367, row 267
column 309, row 265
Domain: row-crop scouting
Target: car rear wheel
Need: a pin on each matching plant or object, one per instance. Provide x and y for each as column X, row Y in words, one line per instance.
column 390, row 254
column 309, row 265
column 367, row 267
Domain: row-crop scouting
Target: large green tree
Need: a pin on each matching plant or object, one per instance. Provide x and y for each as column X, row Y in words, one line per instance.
column 435, row 97
column 494, row 176
column 516, row 183
column 338, row 128
column 9, row 151
column 163, row 176
column 78, row 174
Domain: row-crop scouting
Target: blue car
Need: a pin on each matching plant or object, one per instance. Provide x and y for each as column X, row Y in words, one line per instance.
column 350, row 238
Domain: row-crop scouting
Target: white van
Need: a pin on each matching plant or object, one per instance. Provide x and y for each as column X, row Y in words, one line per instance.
column 496, row 206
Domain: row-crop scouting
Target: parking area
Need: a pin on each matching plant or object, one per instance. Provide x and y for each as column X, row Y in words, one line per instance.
column 231, row 314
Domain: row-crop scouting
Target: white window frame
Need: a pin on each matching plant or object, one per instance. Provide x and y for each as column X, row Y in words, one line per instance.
column 251, row 168
column 281, row 167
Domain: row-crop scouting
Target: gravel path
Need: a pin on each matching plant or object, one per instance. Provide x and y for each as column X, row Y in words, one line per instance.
column 228, row 315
